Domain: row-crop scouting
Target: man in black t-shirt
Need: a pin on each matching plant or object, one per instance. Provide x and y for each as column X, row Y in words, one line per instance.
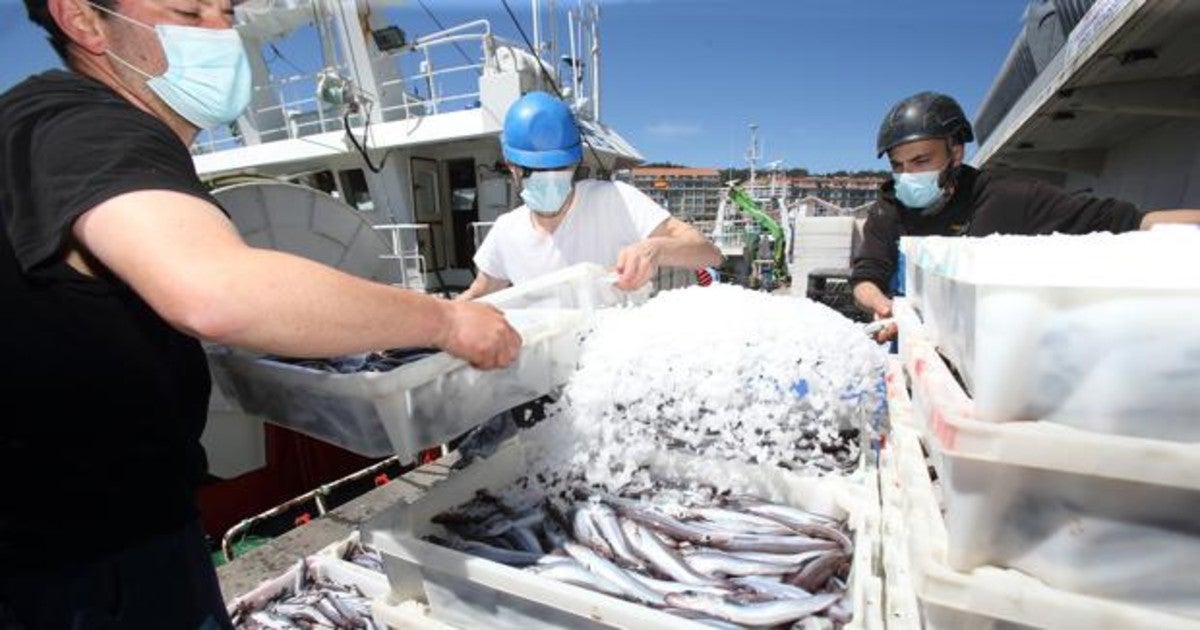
column 114, row 264
column 933, row 193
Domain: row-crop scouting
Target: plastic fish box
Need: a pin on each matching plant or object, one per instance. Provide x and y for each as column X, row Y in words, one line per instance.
column 404, row 615
column 402, row 411
column 835, row 226
column 584, row 286
column 1094, row 331
column 1091, row 513
column 465, row 591
column 924, row 591
column 372, row 585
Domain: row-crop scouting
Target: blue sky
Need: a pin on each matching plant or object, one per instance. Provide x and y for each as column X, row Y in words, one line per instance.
column 683, row 79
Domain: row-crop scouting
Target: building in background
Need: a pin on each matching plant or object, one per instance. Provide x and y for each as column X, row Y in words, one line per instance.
column 691, row 194
column 850, row 192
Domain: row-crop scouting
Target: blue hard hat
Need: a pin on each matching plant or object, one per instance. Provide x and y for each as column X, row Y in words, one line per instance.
column 540, row 132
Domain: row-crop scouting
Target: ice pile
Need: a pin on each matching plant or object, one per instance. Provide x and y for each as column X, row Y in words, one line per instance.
column 723, row 372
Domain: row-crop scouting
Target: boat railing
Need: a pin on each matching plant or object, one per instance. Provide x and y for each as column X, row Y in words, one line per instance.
column 729, row 237
column 446, row 85
column 479, row 231
column 436, row 73
column 405, row 240
column 293, row 105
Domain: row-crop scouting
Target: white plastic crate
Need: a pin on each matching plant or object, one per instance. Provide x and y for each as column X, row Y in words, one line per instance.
column 837, row 226
column 1087, row 512
column 925, row 591
column 468, row 592
column 402, row 411
column 405, row 615
column 584, row 286
column 1090, row 331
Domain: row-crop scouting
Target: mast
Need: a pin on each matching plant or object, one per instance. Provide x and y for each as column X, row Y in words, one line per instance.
column 753, row 153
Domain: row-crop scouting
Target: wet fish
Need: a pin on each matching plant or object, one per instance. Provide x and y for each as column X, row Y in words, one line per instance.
column 714, row 563
column 664, row 559
column 586, row 532
column 758, row 614
column 610, row 530
column 571, row 572
column 604, row 568
column 772, row 586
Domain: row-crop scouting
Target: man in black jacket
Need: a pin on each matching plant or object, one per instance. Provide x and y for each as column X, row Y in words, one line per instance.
column 933, row 193
column 115, row 263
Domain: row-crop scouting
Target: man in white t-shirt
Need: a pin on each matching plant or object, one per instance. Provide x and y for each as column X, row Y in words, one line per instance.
column 564, row 222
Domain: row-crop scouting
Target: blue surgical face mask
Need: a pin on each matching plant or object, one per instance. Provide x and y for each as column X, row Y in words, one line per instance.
column 546, row 191
column 917, row 190
column 208, row 79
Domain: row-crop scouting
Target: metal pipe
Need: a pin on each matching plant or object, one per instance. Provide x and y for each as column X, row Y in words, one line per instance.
column 449, row 39
column 317, row 495
column 537, row 33
column 433, row 38
column 595, row 24
column 574, row 57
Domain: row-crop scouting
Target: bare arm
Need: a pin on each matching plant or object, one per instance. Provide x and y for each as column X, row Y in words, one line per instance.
column 481, row 286
column 681, row 245
column 673, row 244
column 872, row 300
column 1150, row 219
column 187, row 261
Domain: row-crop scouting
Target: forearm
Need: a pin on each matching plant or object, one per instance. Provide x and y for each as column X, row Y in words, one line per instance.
column 870, row 298
column 1150, row 219
column 685, row 252
column 283, row 304
column 481, row 286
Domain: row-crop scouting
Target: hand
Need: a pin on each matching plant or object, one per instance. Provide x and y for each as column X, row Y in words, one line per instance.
column 479, row 334
column 883, row 310
column 636, row 264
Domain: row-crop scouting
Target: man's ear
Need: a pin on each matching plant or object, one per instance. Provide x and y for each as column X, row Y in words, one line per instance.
column 956, row 154
column 81, row 24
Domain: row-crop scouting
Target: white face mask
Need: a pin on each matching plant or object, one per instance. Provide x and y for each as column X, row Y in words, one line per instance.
column 917, row 191
column 207, row 80
column 546, row 191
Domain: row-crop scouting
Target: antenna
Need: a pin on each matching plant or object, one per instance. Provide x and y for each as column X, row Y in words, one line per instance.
column 753, row 153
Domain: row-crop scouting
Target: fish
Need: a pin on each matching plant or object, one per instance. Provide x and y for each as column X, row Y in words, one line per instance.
column 662, row 558
column 772, row 587
column 610, row 530
column 604, row 568
column 713, row 563
column 572, row 572
column 756, row 614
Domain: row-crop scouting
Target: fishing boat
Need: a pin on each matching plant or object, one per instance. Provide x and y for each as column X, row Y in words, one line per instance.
column 381, row 158
column 1100, row 111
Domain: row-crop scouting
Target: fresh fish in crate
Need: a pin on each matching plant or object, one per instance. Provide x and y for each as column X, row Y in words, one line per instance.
column 364, row 556
column 307, row 602
column 687, row 550
column 380, row 361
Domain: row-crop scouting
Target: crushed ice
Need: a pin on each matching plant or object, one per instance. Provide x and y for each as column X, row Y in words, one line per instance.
column 718, row 371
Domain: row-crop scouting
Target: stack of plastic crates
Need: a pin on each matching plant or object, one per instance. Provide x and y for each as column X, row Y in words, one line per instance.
column 831, row 287
column 1052, row 386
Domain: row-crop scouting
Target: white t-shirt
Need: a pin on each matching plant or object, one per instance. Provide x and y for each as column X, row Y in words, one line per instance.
column 605, row 217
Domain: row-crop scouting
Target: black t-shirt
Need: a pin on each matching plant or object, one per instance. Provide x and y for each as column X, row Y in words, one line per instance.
column 99, row 446
column 983, row 203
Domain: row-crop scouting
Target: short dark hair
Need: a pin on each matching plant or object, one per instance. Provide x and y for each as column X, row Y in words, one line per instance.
column 39, row 13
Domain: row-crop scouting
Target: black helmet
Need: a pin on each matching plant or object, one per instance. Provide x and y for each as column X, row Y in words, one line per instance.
column 922, row 116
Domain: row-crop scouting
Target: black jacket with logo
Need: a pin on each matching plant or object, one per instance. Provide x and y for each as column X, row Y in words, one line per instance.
column 984, row 203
